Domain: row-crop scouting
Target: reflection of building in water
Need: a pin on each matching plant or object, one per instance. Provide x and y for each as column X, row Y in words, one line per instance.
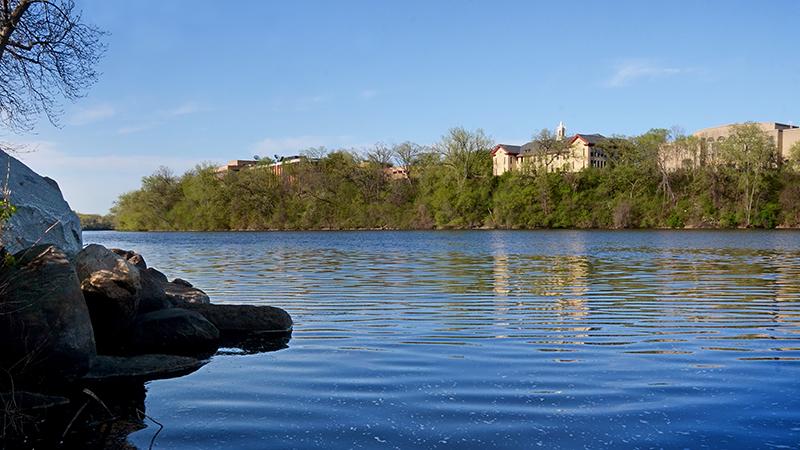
column 787, row 293
column 502, row 275
column 555, row 283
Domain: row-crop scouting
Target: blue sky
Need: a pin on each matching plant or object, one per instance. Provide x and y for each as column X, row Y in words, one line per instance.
column 185, row 82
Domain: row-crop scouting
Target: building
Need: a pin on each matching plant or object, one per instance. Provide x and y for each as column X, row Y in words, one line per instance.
column 706, row 152
column 783, row 136
column 276, row 167
column 580, row 152
column 505, row 158
column 279, row 166
column 395, row 173
column 235, row 166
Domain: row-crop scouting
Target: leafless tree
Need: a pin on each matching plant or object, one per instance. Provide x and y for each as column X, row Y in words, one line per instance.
column 548, row 148
column 380, row 155
column 46, row 52
column 407, row 154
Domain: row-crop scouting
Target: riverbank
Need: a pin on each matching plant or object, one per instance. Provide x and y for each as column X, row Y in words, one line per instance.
column 342, row 191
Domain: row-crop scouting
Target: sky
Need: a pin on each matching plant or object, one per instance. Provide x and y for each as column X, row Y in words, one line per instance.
column 191, row 81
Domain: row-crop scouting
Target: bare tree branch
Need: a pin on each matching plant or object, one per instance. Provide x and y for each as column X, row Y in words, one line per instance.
column 46, row 52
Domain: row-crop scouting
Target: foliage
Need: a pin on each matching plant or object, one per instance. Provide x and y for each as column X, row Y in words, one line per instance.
column 96, row 221
column 450, row 186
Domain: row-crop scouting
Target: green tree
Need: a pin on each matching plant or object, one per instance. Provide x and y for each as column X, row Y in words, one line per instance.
column 749, row 154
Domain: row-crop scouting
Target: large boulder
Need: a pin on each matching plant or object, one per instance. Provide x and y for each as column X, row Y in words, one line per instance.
column 113, row 290
column 95, row 257
column 153, row 296
column 45, row 327
column 42, row 217
column 173, row 331
column 113, row 301
column 132, row 266
column 238, row 320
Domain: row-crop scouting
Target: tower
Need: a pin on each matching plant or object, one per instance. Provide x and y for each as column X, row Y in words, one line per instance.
column 561, row 131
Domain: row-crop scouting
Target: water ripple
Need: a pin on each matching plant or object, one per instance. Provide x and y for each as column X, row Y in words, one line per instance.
column 493, row 339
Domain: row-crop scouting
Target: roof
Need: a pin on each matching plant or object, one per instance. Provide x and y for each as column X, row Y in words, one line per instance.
column 512, row 149
column 766, row 126
column 590, row 139
column 530, row 147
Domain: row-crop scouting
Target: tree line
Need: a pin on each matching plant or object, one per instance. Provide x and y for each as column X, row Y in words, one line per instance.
column 450, row 186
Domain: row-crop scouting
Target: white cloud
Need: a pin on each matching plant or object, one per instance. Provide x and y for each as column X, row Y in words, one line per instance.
column 85, row 116
column 630, row 71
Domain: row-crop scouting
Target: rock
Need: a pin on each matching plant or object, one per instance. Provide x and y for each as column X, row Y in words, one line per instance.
column 95, row 257
column 180, row 294
column 173, row 331
column 132, row 257
column 157, row 275
column 182, row 282
column 153, row 296
column 113, row 301
column 45, row 327
column 42, row 217
column 141, row 368
column 113, row 288
column 138, row 261
column 245, row 319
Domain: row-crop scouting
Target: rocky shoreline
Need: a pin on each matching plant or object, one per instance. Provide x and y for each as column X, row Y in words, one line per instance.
column 103, row 317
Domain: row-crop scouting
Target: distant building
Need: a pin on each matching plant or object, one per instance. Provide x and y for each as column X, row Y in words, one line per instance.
column 395, row 173
column 582, row 152
column 235, row 166
column 276, row 167
column 505, row 158
column 784, row 136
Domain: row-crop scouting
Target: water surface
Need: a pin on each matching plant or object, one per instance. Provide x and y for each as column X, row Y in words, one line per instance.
column 553, row 339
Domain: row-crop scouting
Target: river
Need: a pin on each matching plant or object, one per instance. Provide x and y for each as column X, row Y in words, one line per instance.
column 491, row 339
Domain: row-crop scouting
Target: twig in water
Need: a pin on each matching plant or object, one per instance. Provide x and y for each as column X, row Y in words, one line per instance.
column 160, row 427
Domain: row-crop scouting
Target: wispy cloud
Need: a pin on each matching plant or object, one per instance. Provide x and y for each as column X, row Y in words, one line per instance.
column 91, row 183
column 91, row 114
column 285, row 145
column 163, row 116
column 185, row 109
column 129, row 129
column 634, row 70
column 367, row 94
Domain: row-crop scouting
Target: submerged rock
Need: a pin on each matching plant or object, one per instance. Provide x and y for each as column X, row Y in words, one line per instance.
column 42, row 216
column 45, row 327
column 141, row 368
column 174, row 331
